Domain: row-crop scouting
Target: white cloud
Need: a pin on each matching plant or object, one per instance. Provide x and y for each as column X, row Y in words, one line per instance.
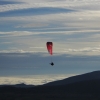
column 18, row 33
column 89, row 19
column 32, row 25
column 82, row 4
column 36, row 47
column 6, row 43
column 34, row 80
column 81, row 45
column 20, row 51
column 93, row 50
column 81, row 27
column 87, row 49
column 52, row 31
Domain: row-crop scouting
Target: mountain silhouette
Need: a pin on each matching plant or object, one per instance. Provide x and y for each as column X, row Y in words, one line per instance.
column 80, row 87
column 21, row 85
column 78, row 78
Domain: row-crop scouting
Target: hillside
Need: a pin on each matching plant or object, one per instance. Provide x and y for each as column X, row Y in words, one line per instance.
column 78, row 78
column 88, row 89
column 22, row 85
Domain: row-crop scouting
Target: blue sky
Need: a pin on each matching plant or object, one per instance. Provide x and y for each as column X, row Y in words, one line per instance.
column 26, row 25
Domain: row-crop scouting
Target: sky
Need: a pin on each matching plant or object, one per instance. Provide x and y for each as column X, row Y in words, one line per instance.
column 26, row 25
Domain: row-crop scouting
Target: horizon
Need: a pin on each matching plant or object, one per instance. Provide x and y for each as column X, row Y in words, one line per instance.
column 72, row 77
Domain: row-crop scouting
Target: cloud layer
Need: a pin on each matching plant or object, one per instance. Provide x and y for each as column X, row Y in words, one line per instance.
column 34, row 80
column 73, row 26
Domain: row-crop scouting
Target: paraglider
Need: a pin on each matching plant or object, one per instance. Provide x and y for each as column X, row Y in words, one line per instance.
column 50, row 50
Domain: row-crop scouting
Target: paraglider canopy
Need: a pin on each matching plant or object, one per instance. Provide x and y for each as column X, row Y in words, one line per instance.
column 49, row 47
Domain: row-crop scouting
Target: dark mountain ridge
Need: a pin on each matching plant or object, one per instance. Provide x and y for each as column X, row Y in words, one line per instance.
column 81, row 87
column 78, row 78
column 21, row 85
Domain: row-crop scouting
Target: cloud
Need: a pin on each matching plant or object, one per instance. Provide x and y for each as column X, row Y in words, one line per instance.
column 11, row 7
column 15, row 51
column 87, row 49
column 69, row 21
column 5, row 2
column 54, row 31
column 35, row 11
column 75, row 4
column 72, row 28
column 32, row 25
column 5, row 42
column 34, row 80
column 17, row 33
column 36, row 50
column 74, row 42
column 37, row 47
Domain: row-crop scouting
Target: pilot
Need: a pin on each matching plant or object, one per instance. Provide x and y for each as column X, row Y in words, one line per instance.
column 52, row 63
